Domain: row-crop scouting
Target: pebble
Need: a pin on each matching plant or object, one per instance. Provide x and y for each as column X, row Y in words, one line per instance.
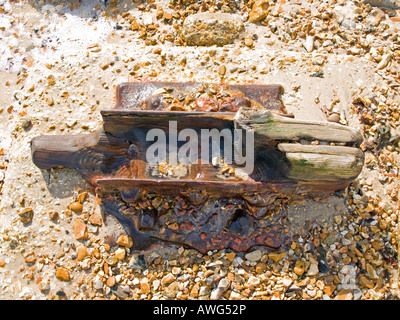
column 26, row 215
column 299, row 268
column 248, row 41
column 76, row 206
column 120, row 254
column 82, row 253
column 125, row 241
column 259, row 11
column 274, row 256
column 80, row 229
column 309, row 43
column 384, row 62
column 96, row 219
column 230, row 256
column 62, row 274
column 253, row 256
column 30, row 257
column 167, row 279
column 207, row 29
column 312, row 270
column 334, row 117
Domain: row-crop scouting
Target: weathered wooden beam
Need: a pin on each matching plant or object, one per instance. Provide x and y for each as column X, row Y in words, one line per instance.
column 322, row 163
column 271, row 126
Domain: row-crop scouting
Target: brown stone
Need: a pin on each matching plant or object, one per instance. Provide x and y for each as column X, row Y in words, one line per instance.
column 96, row 219
column 110, row 281
column 259, row 10
column 329, row 289
column 80, row 230
column 76, row 206
column 168, row 279
column 30, row 257
column 82, row 253
column 230, row 256
column 167, row 15
column 62, row 274
column 274, row 256
column 134, row 25
column 344, row 295
column 260, row 267
column 120, row 254
column 299, row 268
column 194, row 293
column 365, row 282
column 26, row 215
column 125, row 241
column 248, row 41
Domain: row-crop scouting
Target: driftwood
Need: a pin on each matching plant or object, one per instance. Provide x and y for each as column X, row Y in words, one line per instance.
column 222, row 210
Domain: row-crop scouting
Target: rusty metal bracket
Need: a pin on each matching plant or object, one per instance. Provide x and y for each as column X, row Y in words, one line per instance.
column 205, row 206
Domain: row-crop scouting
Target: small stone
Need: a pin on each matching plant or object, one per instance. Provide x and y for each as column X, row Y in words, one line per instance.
column 259, row 11
column 50, row 101
column 82, row 253
column 30, row 257
column 375, row 17
column 62, row 274
column 383, row 224
column 51, row 80
column 167, row 15
column 98, row 285
column 194, row 292
column 134, row 25
column 120, row 254
column 260, row 267
column 384, row 62
column 26, row 124
column 53, row 215
column 44, row 285
column 299, row 268
column 253, row 256
column 253, row 281
column 230, row 256
column 313, row 270
column 156, row 284
column 222, row 70
column 125, row 241
column 144, row 287
column 274, row 256
column 287, row 282
column 334, row 117
column 2, row 263
column 365, row 282
column 80, row 230
column 309, row 43
column 224, row 284
column 329, row 289
column 344, row 295
column 248, row 41
column 167, row 279
column 216, row 294
column 111, row 281
column 26, row 215
column 76, row 206
column 96, row 219
column 235, row 296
